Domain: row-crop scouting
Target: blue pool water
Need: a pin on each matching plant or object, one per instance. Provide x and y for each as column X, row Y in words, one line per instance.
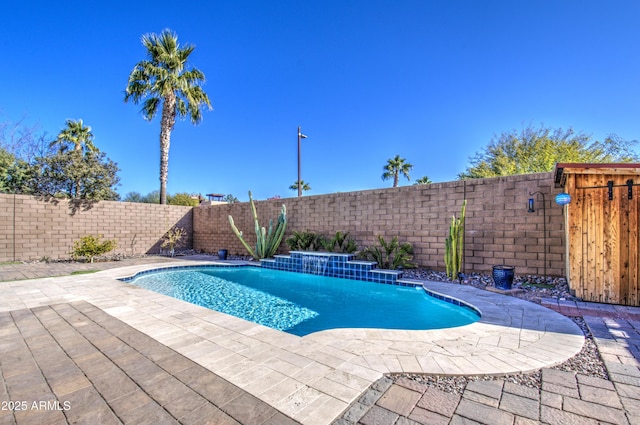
column 303, row 303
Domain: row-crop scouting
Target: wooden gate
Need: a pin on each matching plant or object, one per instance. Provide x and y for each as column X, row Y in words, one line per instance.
column 602, row 225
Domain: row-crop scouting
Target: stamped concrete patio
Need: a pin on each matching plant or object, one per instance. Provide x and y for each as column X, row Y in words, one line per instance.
column 281, row 377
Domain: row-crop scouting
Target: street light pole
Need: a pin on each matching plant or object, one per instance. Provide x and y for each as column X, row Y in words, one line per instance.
column 300, row 136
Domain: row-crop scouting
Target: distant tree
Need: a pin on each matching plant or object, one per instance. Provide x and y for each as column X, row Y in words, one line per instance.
column 70, row 166
column 7, row 161
column 152, row 197
column 15, row 174
column 394, row 167
column 538, row 150
column 75, row 175
column 162, row 79
column 230, row 199
column 305, row 186
column 183, row 199
column 423, row 180
column 75, row 137
column 23, row 141
column 133, row 197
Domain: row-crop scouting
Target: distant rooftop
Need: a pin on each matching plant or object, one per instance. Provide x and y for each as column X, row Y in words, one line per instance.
column 214, row 196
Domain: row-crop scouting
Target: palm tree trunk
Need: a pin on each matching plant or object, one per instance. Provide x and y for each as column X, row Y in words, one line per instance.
column 166, row 125
column 395, row 179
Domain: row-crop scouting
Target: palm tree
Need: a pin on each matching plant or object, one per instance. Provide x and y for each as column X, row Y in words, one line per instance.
column 162, row 79
column 394, row 168
column 75, row 137
column 423, row 180
column 303, row 185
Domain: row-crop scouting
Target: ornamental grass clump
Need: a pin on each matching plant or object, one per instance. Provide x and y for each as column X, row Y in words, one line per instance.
column 90, row 247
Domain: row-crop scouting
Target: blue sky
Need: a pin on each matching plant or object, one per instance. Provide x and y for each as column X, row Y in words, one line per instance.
column 432, row 81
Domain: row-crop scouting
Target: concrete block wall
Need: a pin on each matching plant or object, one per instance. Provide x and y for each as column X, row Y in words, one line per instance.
column 33, row 228
column 499, row 230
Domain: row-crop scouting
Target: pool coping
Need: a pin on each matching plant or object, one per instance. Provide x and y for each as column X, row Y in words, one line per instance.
column 314, row 378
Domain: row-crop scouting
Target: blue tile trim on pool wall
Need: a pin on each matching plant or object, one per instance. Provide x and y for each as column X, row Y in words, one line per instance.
column 333, row 265
column 452, row 300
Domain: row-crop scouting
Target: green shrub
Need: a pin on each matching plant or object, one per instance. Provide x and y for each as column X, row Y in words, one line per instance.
column 390, row 255
column 90, row 247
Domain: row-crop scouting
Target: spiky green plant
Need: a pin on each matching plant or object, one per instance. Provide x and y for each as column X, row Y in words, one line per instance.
column 454, row 244
column 267, row 241
column 340, row 242
column 390, row 255
column 305, row 241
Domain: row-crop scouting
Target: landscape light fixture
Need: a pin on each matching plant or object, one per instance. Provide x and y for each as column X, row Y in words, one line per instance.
column 300, row 137
column 544, row 225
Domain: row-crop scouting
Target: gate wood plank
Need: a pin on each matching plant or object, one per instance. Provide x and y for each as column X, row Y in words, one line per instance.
column 634, row 249
column 611, row 217
column 591, row 225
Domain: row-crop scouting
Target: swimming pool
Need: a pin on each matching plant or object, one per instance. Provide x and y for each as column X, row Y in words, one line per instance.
column 301, row 304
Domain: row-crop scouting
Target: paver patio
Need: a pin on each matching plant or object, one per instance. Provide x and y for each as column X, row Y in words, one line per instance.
column 74, row 363
column 312, row 379
column 565, row 397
